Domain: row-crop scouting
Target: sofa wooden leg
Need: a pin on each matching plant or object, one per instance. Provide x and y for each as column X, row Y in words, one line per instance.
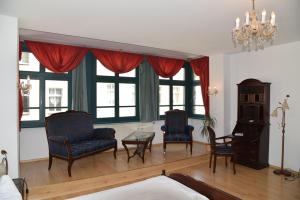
column 50, row 162
column 115, row 152
column 70, row 163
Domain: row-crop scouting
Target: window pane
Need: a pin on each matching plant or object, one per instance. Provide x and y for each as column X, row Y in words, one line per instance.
column 128, row 74
column 178, row 107
column 51, row 111
column 105, row 94
column 32, row 98
column 180, row 75
column 160, row 77
column 103, row 71
column 178, row 95
column 29, row 63
column 31, row 114
column 199, row 110
column 197, row 95
column 127, row 94
column 127, row 111
column 105, row 112
column 164, row 95
column 163, row 109
column 195, row 77
column 56, row 93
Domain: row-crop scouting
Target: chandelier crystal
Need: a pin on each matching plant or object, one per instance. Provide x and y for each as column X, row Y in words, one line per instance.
column 254, row 33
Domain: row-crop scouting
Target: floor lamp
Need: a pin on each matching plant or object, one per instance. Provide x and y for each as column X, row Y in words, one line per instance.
column 283, row 106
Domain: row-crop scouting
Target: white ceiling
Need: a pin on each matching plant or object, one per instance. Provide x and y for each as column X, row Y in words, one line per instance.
column 181, row 28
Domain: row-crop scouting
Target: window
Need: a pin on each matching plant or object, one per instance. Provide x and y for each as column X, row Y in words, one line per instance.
column 172, row 92
column 49, row 93
column 198, row 107
column 116, row 95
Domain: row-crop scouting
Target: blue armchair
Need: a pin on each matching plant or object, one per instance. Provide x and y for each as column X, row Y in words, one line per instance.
column 177, row 130
column 71, row 136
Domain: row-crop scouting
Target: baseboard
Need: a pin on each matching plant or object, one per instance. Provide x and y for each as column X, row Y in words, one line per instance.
column 119, row 149
column 276, row 167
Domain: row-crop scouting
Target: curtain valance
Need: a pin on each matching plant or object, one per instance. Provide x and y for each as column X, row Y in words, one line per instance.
column 165, row 67
column 56, row 57
column 117, row 61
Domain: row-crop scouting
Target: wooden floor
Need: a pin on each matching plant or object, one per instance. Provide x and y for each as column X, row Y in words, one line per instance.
column 37, row 174
column 246, row 184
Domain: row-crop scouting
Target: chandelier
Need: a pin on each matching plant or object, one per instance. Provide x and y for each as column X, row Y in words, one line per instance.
column 254, row 33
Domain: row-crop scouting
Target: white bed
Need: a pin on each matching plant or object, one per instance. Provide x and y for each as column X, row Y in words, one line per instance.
column 8, row 190
column 157, row 188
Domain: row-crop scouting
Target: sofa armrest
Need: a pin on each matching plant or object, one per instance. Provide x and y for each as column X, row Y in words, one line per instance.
column 104, row 133
column 164, row 128
column 189, row 129
column 58, row 139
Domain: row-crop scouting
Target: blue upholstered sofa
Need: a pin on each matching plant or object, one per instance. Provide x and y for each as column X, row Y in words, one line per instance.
column 71, row 136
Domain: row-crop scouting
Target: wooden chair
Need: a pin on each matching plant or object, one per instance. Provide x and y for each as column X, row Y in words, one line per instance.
column 224, row 148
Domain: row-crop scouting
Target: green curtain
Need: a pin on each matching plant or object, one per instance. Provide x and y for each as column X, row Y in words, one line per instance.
column 149, row 93
column 79, row 87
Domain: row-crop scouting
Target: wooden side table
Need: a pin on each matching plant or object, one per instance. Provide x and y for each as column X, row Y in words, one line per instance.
column 142, row 140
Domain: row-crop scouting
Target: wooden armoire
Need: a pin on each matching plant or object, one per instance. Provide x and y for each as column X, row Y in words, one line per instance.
column 251, row 133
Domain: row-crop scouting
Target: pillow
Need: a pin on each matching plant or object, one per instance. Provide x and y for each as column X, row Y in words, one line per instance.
column 8, row 190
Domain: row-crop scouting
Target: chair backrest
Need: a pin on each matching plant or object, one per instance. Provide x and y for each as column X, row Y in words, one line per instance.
column 176, row 121
column 75, row 125
column 212, row 137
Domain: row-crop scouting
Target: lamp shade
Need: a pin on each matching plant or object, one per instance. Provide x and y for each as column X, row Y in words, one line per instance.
column 285, row 105
column 274, row 113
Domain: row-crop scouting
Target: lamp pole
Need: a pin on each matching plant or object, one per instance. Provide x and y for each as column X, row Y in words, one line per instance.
column 282, row 171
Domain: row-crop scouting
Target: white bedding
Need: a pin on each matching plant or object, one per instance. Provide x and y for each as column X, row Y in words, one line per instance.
column 157, row 188
column 8, row 190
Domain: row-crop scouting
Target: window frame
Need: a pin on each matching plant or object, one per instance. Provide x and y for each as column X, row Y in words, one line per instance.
column 43, row 76
column 170, row 82
column 117, row 80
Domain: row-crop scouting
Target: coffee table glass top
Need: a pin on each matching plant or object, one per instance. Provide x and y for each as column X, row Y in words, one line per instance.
column 139, row 136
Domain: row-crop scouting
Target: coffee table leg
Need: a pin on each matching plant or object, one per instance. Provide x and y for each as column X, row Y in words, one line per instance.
column 127, row 150
column 150, row 145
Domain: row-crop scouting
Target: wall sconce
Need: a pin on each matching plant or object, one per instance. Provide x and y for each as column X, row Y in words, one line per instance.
column 212, row 91
column 26, row 87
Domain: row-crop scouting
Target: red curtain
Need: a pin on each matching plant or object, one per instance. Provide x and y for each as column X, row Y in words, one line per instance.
column 116, row 61
column 201, row 69
column 19, row 91
column 56, row 57
column 165, row 67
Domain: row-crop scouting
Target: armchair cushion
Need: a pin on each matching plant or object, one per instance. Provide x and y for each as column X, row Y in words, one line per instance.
column 177, row 137
column 80, row 148
column 223, row 149
column 91, row 145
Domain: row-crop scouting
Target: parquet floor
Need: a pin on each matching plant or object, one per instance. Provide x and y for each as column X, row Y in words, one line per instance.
column 246, row 184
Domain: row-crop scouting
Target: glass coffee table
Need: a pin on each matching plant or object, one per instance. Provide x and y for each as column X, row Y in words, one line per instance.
column 142, row 140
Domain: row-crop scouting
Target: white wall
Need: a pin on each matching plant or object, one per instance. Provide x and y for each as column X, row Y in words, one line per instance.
column 279, row 65
column 8, row 85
